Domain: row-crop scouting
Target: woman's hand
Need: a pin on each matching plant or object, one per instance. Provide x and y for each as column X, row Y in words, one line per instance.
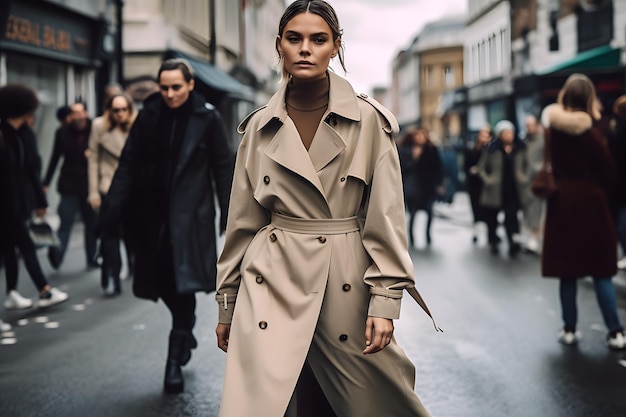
column 223, row 333
column 378, row 333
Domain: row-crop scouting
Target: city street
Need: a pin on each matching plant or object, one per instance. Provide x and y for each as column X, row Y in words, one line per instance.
column 498, row 356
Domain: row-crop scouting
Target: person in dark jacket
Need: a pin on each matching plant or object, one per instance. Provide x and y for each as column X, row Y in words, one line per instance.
column 579, row 237
column 503, row 167
column 71, row 144
column 21, row 194
column 176, row 159
column 422, row 176
column 473, row 182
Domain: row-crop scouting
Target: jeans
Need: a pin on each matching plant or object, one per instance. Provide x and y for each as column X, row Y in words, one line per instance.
column 605, row 294
column 69, row 205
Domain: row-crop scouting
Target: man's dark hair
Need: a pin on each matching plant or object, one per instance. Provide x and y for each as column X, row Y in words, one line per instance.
column 63, row 112
column 177, row 64
column 17, row 100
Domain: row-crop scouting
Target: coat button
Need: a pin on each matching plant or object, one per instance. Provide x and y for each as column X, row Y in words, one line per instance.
column 273, row 237
column 343, row 337
column 266, row 179
column 259, row 279
column 322, row 239
column 263, row 325
column 346, row 287
column 334, row 122
column 342, row 179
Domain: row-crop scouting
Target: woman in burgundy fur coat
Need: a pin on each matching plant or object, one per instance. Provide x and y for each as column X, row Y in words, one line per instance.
column 579, row 237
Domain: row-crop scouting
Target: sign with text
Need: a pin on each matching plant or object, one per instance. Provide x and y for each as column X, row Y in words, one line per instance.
column 50, row 31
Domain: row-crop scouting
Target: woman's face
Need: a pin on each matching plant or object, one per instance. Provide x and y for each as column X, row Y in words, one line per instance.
column 484, row 136
column 120, row 110
column 307, row 46
column 507, row 136
column 419, row 138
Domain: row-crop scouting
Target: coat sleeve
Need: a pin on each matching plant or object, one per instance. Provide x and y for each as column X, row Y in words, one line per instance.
column 93, row 160
column 384, row 238
column 488, row 176
column 245, row 217
column 54, row 157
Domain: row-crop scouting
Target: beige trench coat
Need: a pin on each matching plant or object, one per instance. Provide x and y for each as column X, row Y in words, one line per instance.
column 105, row 148
column 301, row 288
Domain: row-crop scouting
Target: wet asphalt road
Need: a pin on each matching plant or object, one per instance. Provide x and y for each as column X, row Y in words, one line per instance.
column 498, row 356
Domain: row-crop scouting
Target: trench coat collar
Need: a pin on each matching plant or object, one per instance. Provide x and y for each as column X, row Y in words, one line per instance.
column 342, row 102
column 286, row 148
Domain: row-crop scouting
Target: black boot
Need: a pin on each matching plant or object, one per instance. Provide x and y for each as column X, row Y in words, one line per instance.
column 174, row 382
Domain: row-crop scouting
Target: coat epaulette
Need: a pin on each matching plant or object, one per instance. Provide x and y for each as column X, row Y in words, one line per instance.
column 244, row 123
column 392, row 124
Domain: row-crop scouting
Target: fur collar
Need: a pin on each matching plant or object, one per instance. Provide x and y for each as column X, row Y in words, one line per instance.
column 571, row 122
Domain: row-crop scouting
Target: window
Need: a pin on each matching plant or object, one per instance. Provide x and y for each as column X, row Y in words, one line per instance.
column 448, row 76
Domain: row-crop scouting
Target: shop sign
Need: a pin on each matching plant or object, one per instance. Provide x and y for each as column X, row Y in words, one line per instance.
column 50, row 31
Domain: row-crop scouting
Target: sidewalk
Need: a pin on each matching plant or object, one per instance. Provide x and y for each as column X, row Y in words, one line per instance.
column 460, row 213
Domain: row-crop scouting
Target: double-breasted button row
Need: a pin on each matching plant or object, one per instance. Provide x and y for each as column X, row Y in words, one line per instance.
column 346, row 287
column 263, row 325
column 322, row 239
column 273, row 237
column 266, row 180
column 259, row 279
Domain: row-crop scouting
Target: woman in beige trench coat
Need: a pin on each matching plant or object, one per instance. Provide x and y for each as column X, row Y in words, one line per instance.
column 315, row 259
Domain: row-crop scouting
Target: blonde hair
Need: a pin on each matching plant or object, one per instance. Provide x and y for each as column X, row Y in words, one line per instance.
column 579, row 94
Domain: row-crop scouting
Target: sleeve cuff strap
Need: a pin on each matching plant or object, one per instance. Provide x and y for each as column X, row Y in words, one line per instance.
column 385, row 307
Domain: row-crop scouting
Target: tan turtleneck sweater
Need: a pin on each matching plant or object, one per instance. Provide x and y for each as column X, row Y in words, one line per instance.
column 306, row 103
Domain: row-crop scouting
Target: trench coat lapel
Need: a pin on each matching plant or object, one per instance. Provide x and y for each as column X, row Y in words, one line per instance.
column 287, row 149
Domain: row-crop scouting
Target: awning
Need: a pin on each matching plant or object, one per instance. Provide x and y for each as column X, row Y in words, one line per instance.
column 604, row 57
column 214, row 78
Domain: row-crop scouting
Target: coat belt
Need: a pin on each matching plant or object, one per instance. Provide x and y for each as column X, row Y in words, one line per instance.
column 315, row 226
column 336, row 227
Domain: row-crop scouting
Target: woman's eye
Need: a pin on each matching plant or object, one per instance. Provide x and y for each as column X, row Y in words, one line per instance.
column 319, row 40
column 293, row 39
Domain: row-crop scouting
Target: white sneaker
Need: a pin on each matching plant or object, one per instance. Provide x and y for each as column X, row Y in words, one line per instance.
column 621, row 264
column 4, row 327
column 15, row 301
column 52, row 297
column 617, row 342
column 532, row 245
column 569, row 338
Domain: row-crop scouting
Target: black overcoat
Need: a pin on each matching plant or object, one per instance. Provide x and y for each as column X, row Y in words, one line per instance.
column 205, row 166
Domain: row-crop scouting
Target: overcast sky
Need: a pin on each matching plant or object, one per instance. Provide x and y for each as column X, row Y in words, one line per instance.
column 376, row 30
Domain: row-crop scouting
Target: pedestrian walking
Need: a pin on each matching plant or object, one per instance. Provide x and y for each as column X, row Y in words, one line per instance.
column 503, row 167
column 533, row 209
column 108, row 137
column 617, row 147
column 176, row 160
column 422, row 176
column 21, row 194
column 315, row 258
column 579, row 238
column 473, row 181
column 70, row 144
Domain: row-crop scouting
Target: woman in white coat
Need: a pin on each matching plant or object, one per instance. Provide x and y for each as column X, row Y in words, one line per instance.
column 315, row 259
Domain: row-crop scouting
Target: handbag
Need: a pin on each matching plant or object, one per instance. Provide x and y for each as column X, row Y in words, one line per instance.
column 544, row 184
column 41, row 234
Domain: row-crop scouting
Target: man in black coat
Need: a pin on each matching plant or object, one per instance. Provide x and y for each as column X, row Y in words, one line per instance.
column 176, row 159
column 71, row 144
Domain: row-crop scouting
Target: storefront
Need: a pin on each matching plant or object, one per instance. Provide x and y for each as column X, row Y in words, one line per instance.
column 55, row 51
column 488, row 103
